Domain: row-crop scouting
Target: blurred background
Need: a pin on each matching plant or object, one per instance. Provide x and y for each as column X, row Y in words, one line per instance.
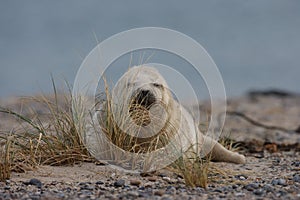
column 255, row 44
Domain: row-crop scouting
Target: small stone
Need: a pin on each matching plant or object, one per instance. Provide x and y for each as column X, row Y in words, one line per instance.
column 99, row 183
column 135, row 182
column 274, row 182
column 162, row 175
column 239, row 194
column 61, row 195
column 83, row 183
column 2, row 184
column 279, row 181
column 251, row 186
column 87, row 187
column 218, row 190
column 276, row 160
column 144, row 195
column 258, row 192
column 132, row 194
column 159, row 192
column 241, row 177
column 259, row 155
column 152, row 178
column 35, row 182
column 234, row 186
column 296, row 178
column 281, row 193
column 268, row 188
column 168, row 179
column 199, row 189
column 296, row 163
column 126, row 187
column 119, row 183
column 7, row 187
column 181, row 189
column 148, row 185
column 142, row 188
column 272, row 147
column 282, row 182
column 171, row 190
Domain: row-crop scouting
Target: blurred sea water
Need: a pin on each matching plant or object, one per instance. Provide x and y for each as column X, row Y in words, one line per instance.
column 255, row 44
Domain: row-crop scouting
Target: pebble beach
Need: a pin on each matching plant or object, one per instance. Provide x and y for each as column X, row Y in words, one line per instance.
column 272, row 170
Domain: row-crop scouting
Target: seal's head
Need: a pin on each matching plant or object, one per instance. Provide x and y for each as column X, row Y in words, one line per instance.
column 141, row 101
column 143, row 109
column 147, row 87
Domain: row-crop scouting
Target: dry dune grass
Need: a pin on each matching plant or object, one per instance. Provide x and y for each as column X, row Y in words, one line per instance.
column 57, row 140
column 53, row 140
column 140, row 115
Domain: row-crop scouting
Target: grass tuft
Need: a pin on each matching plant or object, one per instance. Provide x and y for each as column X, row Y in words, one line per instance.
column 53, row 140
column 5, row 160
column 193, row 170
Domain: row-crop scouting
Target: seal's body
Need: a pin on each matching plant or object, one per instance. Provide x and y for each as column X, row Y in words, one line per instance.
column 142, row 89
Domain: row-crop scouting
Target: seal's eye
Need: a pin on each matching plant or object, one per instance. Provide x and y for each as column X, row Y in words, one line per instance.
column 157, row 85
column 129, row 84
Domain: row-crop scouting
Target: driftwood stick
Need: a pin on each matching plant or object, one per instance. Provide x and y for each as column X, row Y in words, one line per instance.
column 257, row 123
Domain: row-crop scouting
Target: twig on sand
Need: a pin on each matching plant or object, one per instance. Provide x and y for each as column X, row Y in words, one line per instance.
column 257, row 123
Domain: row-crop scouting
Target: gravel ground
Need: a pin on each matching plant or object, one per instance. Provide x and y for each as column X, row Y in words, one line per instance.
column 273, row 176
column 272, row 170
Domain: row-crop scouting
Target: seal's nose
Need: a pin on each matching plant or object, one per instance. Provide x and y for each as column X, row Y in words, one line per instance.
column 145, row 98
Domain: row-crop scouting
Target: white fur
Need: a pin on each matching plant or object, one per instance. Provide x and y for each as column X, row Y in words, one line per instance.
column 143, row 77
